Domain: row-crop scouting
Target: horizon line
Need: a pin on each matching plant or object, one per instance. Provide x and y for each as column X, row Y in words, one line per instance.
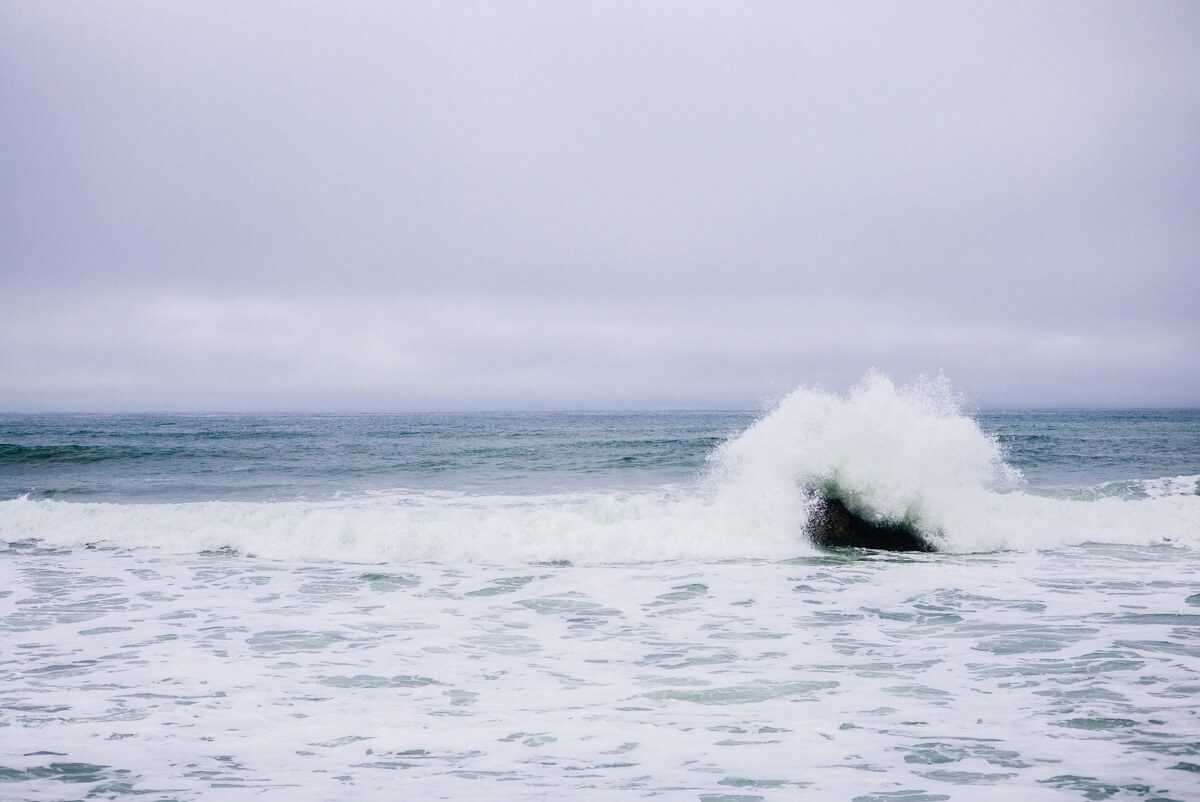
column 565, row 411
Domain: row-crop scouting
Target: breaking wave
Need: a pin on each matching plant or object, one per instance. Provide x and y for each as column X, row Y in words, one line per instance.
column 894, row 453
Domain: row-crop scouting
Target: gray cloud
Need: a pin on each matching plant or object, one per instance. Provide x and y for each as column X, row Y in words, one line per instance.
column 540, row 205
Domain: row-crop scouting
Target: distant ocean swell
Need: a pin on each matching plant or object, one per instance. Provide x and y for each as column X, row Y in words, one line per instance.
column 13, row 454
column 896, row 453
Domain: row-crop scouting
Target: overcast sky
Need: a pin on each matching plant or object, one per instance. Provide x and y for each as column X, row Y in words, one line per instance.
column 515, row 205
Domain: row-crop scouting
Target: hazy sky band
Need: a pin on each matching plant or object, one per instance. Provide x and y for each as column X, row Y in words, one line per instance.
column 591, row 205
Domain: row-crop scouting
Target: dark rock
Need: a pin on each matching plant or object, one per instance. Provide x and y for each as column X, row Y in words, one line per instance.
column 834, row 525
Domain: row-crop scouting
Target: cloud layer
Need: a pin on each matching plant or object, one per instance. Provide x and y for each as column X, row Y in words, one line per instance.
column 545, row 205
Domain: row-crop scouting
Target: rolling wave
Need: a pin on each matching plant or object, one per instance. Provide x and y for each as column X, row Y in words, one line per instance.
column 13, row 454
column 902, row 454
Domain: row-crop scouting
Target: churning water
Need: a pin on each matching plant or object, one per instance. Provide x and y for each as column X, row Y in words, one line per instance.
column 593, row 606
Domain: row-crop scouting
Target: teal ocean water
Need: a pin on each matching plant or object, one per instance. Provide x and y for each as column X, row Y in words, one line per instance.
column 601, row 606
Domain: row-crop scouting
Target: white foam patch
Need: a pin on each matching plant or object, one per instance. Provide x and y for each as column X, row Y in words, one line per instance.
column 591, row 528
column 894, row 453
column 909, row 454
column 1149, row 488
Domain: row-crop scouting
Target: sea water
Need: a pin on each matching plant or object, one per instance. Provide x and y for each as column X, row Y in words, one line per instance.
column 601, row 606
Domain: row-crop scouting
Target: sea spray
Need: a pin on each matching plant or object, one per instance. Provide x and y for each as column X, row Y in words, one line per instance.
column 909, row 454
column 895, row 453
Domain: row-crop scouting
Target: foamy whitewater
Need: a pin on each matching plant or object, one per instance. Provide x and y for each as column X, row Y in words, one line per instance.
column 548, row 606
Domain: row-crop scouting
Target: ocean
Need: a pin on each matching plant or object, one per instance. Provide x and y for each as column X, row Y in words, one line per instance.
column 601, row 606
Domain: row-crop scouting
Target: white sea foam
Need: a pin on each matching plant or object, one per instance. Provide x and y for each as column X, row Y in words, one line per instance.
column 1144, row 488
column 910, row 454
column 596, row 527
column 894, row 453
column 942, row 676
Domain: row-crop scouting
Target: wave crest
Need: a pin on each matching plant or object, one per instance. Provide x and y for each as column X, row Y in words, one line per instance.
column 910, row 455
column 904, row 453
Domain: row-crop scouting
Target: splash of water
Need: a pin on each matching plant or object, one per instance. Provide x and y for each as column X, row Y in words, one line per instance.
column 894, row 453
